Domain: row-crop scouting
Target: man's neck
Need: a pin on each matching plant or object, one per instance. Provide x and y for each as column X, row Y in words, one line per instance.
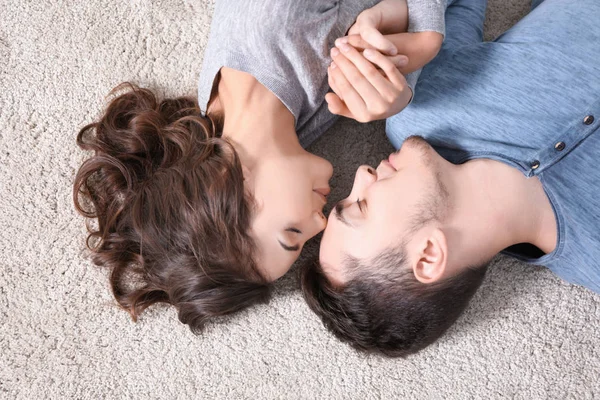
column 256, row 121
column 496, row 206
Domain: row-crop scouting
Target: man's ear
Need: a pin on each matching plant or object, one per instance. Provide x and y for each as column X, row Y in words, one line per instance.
column 432, row 257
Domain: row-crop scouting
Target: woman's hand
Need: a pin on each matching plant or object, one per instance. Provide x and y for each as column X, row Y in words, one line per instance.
column 419, row 47
column 388, row 16
column 366, row 86
column 384, row 28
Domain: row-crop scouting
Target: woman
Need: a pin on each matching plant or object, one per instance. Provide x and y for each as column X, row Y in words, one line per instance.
column 204, row 211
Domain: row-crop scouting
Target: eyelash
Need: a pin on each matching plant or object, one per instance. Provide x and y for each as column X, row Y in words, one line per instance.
column 359, row 205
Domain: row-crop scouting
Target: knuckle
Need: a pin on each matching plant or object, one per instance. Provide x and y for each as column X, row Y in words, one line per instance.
column 362, row 118
column 371, row 73
column 378, row 109
column 360, row 115
column 343, row 84
column 355, row 41
column 354, row 77
column 387, row 65
column 390, row 97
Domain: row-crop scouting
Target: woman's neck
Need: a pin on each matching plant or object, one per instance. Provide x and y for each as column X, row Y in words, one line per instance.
column 255, row 120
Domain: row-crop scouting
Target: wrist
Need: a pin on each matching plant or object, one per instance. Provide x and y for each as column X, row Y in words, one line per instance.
column 394, row 16
column 419, row 47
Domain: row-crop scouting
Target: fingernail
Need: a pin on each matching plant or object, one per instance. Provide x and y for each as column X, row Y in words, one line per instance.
column 368, row 53
column 333, row 66
column 392, row 51
column 340, row 41
column 334, row 52
column 345, row 47
column 402, row 61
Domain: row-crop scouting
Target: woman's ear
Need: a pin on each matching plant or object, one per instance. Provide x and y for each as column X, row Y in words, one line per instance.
column 432, row 257
column 248, row 177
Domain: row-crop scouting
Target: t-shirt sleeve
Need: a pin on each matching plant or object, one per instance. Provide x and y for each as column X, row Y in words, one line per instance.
column 426, row 15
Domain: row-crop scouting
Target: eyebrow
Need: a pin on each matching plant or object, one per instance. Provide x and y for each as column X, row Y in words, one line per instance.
column 339, row 213
column 289, row 248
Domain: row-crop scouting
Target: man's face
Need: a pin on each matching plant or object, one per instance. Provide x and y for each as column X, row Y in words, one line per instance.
column 384, row 207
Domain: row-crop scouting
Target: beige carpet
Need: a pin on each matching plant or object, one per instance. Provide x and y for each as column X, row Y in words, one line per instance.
column 527, row 335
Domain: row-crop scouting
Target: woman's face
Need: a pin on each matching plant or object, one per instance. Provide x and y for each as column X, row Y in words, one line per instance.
column 290, row 191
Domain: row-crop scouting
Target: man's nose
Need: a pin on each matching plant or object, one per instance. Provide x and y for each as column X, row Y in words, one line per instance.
column 365, row 176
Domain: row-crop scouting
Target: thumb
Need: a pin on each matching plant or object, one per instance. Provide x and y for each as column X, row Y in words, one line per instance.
column 378, row 41
column 337, row 106
column 354, row 30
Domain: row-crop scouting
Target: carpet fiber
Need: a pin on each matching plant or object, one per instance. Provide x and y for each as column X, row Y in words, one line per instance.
column 527, row 334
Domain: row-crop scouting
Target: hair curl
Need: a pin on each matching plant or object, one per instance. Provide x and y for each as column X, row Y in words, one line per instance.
column 172, row 214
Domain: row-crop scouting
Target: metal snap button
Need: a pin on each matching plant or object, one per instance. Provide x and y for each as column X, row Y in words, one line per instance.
column 588, row 120
column 560, row 146
column 535, row 164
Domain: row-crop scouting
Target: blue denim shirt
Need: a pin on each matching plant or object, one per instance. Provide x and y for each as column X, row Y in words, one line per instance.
column 530, row 99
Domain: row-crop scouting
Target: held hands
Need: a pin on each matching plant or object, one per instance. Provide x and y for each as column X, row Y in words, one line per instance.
column 387, row 17
column 366, row 72
column 366, row 86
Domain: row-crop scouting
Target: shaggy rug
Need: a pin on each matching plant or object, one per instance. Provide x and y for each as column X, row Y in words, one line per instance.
column 526, row 335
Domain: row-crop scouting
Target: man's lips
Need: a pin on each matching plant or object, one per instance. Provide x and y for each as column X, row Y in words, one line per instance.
column 390, row 161
column 388, row 164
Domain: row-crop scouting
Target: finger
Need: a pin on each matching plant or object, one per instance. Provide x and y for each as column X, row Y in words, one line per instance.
column 332, row 84
column 400, row 61
column 345, row 90
column 376, row 39
column 337, row 106
column 355, row 41
column 388, row 66
column 350, row 63
column 421, row 47
column 354, row 30
column 366, row 78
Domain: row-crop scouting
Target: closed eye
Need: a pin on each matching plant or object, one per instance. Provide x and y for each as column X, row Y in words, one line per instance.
column 289, row 248
column 361, row 204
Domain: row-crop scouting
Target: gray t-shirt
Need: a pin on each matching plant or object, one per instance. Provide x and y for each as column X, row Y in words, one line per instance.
column 285, row 45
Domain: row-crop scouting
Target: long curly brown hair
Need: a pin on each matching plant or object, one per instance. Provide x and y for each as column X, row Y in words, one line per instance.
column 173, row 217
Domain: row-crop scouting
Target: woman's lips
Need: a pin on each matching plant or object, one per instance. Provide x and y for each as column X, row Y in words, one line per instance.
column 323, row 193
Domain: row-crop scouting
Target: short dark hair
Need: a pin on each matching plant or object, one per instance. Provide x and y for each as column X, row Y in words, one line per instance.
column 383, row 308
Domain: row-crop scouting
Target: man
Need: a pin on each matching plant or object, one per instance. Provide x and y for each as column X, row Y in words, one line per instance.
column 505, row 160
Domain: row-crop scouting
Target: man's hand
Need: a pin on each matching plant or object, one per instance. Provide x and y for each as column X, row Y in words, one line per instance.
column 361, row 90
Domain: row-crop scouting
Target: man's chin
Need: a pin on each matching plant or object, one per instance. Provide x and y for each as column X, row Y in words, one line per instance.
column 416, row 141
